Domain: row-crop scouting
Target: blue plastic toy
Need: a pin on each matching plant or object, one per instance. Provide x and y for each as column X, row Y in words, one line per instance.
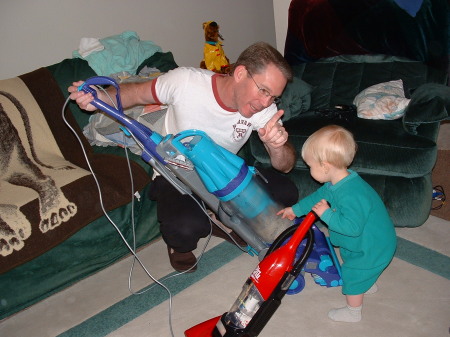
column 322, row 263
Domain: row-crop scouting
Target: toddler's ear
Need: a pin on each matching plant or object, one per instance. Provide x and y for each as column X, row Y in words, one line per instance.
column 326, row 167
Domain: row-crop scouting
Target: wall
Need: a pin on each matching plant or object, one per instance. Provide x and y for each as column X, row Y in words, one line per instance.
column 281, row 15
column 37, row 33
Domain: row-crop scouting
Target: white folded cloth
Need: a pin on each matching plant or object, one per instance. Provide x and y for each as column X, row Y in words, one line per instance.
column 88, row 45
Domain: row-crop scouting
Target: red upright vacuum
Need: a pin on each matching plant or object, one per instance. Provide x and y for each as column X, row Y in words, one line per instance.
column 262, row 293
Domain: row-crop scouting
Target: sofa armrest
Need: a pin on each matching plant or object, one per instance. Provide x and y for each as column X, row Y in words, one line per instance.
column 296, row 98
column 430, row 103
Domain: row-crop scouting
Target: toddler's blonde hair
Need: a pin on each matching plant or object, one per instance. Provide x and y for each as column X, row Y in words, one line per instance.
column 333, row 144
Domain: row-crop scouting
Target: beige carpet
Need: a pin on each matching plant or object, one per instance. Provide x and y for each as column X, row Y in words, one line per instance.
column 411, row 302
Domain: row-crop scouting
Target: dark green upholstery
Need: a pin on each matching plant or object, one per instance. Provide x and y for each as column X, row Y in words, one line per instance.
column 428, row 97
column 395, row 156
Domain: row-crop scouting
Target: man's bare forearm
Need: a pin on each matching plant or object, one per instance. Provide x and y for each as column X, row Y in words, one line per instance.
column 282, row 158
column 132, row 94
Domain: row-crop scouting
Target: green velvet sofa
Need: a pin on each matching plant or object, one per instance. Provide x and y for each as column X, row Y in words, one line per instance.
column 92, row 243
column 395, row 156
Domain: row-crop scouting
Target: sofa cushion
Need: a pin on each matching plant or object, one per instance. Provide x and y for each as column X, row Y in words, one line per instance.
column 384, row 147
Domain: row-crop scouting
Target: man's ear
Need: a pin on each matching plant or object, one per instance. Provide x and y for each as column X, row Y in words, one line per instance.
column 240, row 72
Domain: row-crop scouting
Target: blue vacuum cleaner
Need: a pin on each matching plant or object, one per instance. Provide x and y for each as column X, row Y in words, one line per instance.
column 193, row 163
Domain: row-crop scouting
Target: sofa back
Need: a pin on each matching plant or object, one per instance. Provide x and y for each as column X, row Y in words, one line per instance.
column 337, row 80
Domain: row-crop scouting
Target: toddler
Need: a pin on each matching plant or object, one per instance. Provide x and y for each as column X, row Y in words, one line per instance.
column 357, row 219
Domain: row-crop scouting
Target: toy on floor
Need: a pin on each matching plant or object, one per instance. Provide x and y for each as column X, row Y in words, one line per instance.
column 214, row 57
column 322, row 263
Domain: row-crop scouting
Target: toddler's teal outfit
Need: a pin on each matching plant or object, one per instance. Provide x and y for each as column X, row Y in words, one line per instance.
column 359, row 225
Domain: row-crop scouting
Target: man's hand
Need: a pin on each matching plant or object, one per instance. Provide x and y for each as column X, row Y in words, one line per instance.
column 273, row 133
column 83, row 99
column 275, row 139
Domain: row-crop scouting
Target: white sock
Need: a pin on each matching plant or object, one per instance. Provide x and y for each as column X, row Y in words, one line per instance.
column 373, row 289
column 346, row 314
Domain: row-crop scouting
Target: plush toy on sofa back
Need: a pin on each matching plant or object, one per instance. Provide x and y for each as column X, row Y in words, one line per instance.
column 214, row 57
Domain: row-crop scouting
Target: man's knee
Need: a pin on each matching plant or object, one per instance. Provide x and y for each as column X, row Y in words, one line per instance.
column 183, row 231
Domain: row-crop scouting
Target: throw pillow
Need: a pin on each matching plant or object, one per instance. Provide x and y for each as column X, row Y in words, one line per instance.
column 382, row 101
column 296, row 98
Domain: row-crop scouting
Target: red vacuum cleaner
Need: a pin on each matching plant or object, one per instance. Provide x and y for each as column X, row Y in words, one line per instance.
column 262, row 293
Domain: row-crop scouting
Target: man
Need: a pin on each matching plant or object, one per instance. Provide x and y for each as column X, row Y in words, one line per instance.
column 228, row 108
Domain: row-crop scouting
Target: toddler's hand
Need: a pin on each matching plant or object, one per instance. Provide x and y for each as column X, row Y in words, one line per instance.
column 320, row 207
column 287, row 213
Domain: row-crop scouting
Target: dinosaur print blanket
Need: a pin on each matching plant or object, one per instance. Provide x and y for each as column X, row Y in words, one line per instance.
column 47, row 192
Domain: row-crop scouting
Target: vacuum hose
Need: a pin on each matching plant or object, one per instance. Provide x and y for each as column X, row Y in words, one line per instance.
column 286, row 234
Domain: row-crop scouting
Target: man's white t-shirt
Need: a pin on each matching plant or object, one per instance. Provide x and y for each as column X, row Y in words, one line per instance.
column 193, row 103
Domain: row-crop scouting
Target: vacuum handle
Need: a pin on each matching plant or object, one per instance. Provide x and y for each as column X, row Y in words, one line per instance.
column 303, row 228
column 147, row 138
column 196, row 136
column 99, row 104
